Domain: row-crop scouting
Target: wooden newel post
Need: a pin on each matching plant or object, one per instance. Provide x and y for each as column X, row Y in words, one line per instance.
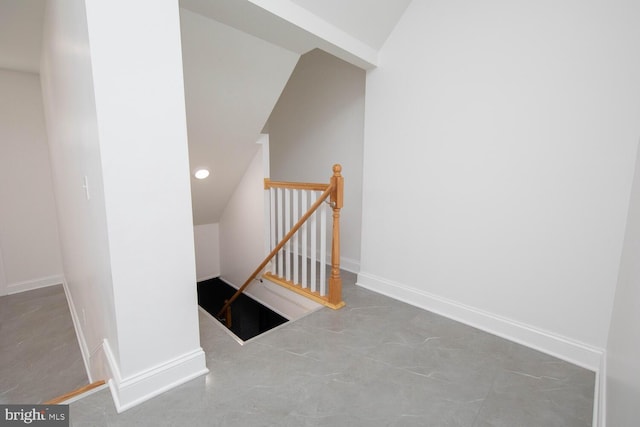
column 337, row 199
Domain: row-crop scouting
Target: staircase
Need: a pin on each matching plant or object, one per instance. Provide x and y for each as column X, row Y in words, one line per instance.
column 298, row 253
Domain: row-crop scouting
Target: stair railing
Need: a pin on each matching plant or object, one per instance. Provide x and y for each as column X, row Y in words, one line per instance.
column 296, row 254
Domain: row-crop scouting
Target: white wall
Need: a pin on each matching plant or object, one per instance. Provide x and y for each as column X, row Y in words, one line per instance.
column 207, row 246
column 70, row 112
column 28, row 229
column 232, row 82
column 242, row 225
column 130, row 140
column 317, row 122
column 623, row 349
column 3, row 279
column 498, row 158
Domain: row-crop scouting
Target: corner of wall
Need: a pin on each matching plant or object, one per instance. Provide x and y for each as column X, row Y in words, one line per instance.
column 82, row 342
column 135, row 389
column 600, row 398
column 30, row 285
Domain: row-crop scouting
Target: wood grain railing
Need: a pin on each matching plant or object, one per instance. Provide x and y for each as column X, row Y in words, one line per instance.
column 331, row 297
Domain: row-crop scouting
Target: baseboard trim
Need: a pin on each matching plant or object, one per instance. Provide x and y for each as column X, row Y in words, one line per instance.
column 84, row 348
column 30, row 285
column 135, row 389
column 350, row 265
column 558, row 346
column 600, row 398
column 202, row 279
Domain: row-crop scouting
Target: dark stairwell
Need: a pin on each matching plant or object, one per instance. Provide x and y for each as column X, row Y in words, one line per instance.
column 249, row 318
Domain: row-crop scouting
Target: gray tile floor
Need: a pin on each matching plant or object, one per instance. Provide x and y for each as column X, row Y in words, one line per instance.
column 376, row 362
column 39, row 354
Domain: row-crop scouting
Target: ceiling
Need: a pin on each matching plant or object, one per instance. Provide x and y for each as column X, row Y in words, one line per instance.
column 232, row 81
column 366, row 20
column 21, row 34
column 238, row 55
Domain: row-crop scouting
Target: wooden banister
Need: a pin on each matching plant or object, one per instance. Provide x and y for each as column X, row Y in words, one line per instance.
column 337, row 199
column 294, row 185
column 279, row 246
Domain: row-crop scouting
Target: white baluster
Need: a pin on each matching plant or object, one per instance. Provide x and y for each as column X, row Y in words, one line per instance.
column 313, row 228
column 323, row 249
column 303, row 230
column 287, row 227
column 295, row 239
column 272, row 231
column 280, row 233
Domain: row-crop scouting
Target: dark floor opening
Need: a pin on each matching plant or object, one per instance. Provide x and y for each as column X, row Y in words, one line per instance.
column 249, row 318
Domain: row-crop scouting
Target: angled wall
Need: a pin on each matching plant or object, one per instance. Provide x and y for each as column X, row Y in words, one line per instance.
column 114, row 103
column 317, row 122
column 623, row 347
column 498, row 160
column 232, row 81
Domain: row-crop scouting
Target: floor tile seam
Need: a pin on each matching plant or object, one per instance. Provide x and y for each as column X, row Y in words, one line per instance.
column 484, row 401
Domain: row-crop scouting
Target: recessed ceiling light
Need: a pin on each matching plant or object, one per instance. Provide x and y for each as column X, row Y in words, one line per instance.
column 201, row 173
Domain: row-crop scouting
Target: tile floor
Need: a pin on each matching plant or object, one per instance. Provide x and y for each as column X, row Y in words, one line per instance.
column 39, row 354
column 376, row 362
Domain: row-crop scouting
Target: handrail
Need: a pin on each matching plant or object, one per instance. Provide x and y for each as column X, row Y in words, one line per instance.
column 294, row 185
column 328, row 192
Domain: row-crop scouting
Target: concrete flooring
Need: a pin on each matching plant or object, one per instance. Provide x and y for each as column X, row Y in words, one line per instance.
column 39, row 354
column 376, row 362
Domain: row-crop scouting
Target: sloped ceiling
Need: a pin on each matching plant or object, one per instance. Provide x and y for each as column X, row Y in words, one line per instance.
column 21, row 34
column 352, row 30
column 237, row 55
column 232, row 82
column 367, row 20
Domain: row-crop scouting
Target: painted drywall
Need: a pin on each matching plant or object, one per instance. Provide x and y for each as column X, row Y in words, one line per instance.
column 28, row 223
column 139, row 94
column 3, row 280
column 232, row 82
column 207, row 246
column 116, row 121
column 290, row 26
column 21, row 34
column 242, row 225
column 623, row 349
column 349, row 16
column 498, row 160
column 71, row 119
column 317, row 122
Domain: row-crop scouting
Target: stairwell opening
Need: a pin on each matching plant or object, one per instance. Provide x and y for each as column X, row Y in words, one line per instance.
column 249, row 318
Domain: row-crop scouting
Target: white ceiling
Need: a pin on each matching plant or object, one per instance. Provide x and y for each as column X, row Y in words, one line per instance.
column 352, row 30
column 21, row 34
column 232, row 82
column 233, row 76
column 368, row 21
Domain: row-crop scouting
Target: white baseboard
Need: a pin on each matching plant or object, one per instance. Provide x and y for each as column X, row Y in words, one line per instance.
column 29, row 285
column 82, row 342
column 351, row 265
column 202, row 279
column 135, row 389
column 558, row 346
column 600, row 398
